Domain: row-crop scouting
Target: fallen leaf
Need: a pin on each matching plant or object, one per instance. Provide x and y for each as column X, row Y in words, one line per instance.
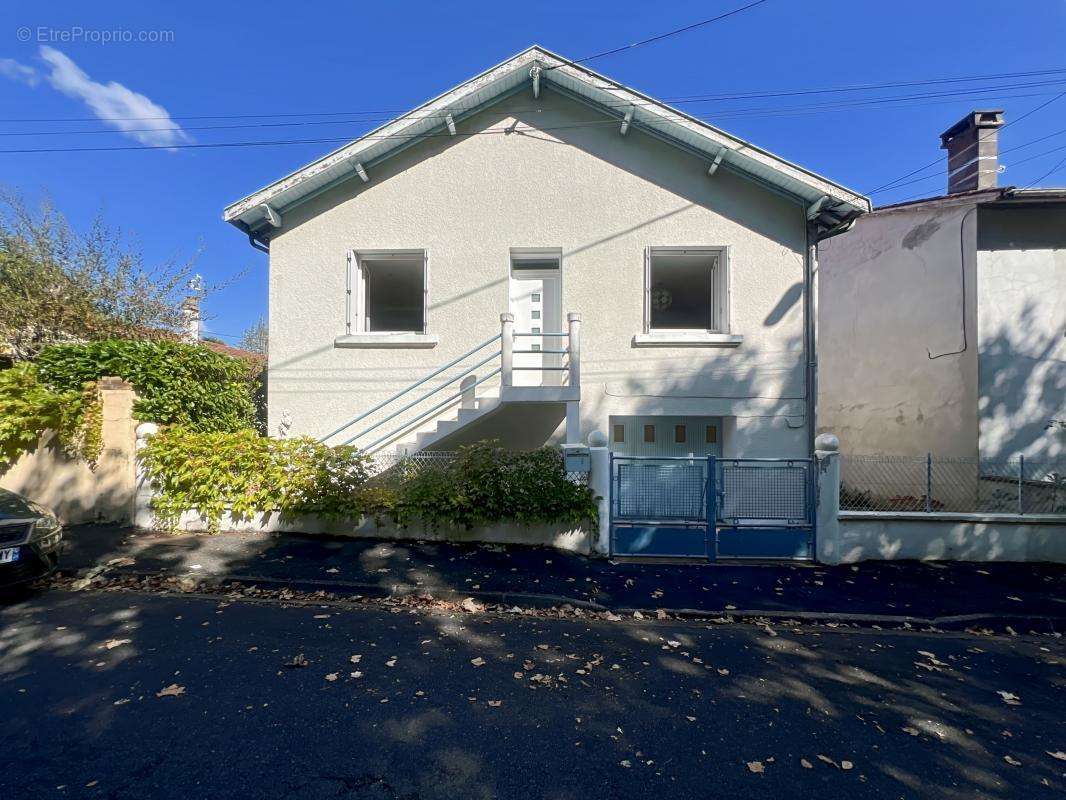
column 756, row 767
column 846, row 765
column 174, row 690
column 478, row 662
column 471, row 605
column 355, row 659
column 625, row 762
column 828, row 760
column 1012, row 761
column 298, row 660
column 332, row 570
column 1009, row 698
column 495, row 703
column 332, row 676
column 391, row 662
column 806, row 764
column 111, row 644
column 322, row 616
column 1061, row 756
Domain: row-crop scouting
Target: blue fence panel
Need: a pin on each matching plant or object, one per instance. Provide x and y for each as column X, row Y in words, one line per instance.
column 661, row 490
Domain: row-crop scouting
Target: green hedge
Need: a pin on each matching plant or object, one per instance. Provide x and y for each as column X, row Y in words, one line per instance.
column 210, row 472
column 176, row 383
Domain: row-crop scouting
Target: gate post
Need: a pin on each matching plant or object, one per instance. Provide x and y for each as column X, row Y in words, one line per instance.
column 827, row 527
column 600, row 483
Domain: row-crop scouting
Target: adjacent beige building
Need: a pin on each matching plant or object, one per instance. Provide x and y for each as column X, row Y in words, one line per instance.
column 942, row 321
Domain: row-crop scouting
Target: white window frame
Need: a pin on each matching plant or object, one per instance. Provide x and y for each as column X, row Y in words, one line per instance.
column 719, row 332
column 355, row 317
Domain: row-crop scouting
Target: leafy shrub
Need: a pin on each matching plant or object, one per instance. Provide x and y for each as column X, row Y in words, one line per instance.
column 248, row 473
column 176, row 383
column 28, row 409
column 486, row 484
column 210, row 472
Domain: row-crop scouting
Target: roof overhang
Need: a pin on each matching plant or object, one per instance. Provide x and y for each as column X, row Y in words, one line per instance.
column 829, row 205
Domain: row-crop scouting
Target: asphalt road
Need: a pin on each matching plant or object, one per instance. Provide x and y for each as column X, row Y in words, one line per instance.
column 415, row 704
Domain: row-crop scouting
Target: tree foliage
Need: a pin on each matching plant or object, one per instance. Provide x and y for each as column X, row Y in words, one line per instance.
column 256, row 336
column 60, row 285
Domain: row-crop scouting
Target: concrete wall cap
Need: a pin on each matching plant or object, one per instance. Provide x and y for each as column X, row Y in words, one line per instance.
column 827, row 442
column 147, row 429
column 110, row 382
column 597, row 438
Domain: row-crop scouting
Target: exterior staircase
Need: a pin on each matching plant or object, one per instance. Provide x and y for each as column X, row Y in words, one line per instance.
column 436, row 417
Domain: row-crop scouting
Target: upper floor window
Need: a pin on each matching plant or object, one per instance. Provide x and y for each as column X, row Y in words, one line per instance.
column 685, row 290
column 387, row 291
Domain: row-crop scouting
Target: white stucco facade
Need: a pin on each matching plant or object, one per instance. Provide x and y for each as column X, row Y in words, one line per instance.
column 559, row 180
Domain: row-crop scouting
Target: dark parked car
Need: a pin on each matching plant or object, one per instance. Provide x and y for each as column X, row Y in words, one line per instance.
column 29, row 540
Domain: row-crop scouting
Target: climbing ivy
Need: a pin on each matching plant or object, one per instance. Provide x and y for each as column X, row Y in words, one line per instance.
column 28, row 408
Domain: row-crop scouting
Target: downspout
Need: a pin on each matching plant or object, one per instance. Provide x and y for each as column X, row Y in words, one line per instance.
column 262, row 246
column 810, row 320
column 810, row 360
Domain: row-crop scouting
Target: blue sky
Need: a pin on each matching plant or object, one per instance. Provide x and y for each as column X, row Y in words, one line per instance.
column 363, row 59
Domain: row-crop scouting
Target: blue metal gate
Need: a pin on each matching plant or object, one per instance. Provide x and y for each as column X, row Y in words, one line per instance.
column 711, row 508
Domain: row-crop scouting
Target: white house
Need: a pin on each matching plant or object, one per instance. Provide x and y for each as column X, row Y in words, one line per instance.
column 538, row 253
column 942, row 320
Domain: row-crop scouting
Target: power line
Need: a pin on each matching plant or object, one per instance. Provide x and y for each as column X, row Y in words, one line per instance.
column 736, row 113
column 726, row 114
column 1030, row 143
column 385, row 137
column 977, row 141
column 1047, row 174
column 1008, row 166
column 668, row 34
column 757, row 94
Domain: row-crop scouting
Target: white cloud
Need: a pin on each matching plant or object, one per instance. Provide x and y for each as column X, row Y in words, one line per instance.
column 124, row 109
column 12, row 69
column 128, row 111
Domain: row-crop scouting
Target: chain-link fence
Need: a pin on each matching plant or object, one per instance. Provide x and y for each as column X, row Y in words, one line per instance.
column 970, row 485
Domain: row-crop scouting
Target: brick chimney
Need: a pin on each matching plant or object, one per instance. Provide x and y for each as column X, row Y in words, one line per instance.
column 973, row 151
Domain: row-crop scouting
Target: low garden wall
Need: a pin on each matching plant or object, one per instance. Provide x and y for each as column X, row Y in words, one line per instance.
column 577, row 539
column 74, row 489
column 886, row 536
column 851, row 536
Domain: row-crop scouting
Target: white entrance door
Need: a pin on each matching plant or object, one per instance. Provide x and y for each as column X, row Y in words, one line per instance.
column 536, row 302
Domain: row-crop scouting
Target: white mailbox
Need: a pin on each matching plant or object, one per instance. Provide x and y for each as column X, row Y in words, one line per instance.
column 576, row 458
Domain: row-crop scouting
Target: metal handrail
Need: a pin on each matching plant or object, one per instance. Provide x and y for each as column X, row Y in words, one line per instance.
column 516, row 334
column 426, row 396
column 414, row 385
column 424, row 414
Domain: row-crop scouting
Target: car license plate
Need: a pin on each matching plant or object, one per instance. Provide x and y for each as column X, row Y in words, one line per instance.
column 9, row 554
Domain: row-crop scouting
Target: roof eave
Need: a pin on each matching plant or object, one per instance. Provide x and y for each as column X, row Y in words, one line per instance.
column 655, row 117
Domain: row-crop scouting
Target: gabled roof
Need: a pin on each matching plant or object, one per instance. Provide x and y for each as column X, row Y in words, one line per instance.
column 536, row 70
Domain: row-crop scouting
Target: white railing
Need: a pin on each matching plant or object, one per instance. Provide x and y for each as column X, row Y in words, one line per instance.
column 403, row 401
